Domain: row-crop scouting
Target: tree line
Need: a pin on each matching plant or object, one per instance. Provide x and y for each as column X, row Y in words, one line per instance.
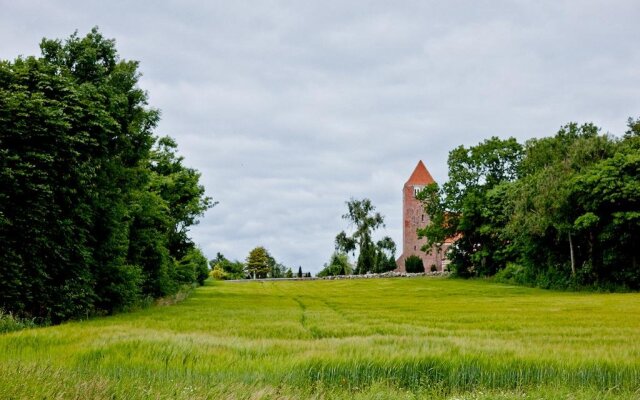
column 94, row 208
column 557, row 212
column 259, row 264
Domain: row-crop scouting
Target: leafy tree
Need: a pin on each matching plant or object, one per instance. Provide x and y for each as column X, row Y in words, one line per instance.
column 469, row 206
column 361, row 214
column 179, row 187
column 607, row 197
column 338, row 265
column 234, row 269
column 541, row 212
column 634, row 129
column 219, row 258
column 276, row 269
column 385, row 255
column 561, row 211
column 257, row 264
column 413, row 264
column 192, row 268
column 86, row 223
column 230, row 269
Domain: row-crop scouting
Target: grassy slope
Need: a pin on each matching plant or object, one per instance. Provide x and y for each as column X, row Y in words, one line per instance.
column 383, row 338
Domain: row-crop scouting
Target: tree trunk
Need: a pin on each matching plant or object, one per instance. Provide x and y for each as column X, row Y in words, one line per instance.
column 573, row 259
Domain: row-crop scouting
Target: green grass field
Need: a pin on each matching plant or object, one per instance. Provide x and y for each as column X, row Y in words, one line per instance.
column 350, row 339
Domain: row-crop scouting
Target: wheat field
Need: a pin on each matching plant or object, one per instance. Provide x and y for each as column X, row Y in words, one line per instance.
column 348, row 339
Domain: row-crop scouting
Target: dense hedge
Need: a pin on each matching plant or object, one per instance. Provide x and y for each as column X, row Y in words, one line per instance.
column 94, row 209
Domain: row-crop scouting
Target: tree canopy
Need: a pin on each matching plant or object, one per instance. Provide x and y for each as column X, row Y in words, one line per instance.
column 338, row 265
column 372, row 257
column 95, row 209
column 561, row 210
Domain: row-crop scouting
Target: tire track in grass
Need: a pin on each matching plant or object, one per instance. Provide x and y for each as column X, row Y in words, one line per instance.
column 338, row 311
column 315, row 310
column 303, row 310
column 314, row 332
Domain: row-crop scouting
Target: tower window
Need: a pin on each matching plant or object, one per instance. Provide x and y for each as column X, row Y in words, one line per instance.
column 416, row 190
column 422, row 217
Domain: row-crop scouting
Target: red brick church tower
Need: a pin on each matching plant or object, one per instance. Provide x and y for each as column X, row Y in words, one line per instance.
column 414, row 217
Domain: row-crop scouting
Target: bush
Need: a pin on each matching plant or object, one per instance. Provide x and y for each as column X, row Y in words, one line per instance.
column 555, row 277
column 125, row 287
column 218, row 273
column 193, row 267
column 339, row 265
column 231, row 269
column 413, row 264
column 514, row 274
column 9, row 323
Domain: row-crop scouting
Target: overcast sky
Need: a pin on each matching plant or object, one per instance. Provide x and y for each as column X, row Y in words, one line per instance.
column 290, row 108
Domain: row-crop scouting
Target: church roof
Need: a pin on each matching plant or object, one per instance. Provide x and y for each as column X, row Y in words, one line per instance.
column 420, row 176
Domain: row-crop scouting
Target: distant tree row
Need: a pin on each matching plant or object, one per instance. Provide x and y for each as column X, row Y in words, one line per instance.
column 94, row 209
column 558, row 211
column 259, row 264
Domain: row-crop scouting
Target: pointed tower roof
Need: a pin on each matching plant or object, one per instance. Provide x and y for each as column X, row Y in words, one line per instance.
column 420, row 176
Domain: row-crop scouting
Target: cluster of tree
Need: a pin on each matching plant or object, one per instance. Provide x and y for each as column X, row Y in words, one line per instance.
column 94, row 209
column 338, row 265
column 372, row 257
column 555, row 212
column 222, row 268
column 259, row 264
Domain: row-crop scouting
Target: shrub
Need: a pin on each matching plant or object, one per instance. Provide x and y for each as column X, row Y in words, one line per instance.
column 9, row 323
column 413, row 264
column 230, row 269
column 514, row 274
column 218, row 273
column 125, row 287
column 339, row 265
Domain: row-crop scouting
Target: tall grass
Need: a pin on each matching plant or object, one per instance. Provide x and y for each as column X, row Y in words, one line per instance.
column 9, row 323
column 387, row 338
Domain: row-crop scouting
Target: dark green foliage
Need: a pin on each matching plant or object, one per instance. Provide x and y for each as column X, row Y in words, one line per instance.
column 468, row 206
column 193, row 267
column 230, row 269
column 92, row 216
column 607, row 196
column 552, row 220
column 233, row 269
column 385, row 255
column 514, row 274
column 563, row 211
column 413, row 264
column 338, row 265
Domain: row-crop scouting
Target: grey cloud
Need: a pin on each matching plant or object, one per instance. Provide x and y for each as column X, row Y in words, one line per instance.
column 290, row 108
